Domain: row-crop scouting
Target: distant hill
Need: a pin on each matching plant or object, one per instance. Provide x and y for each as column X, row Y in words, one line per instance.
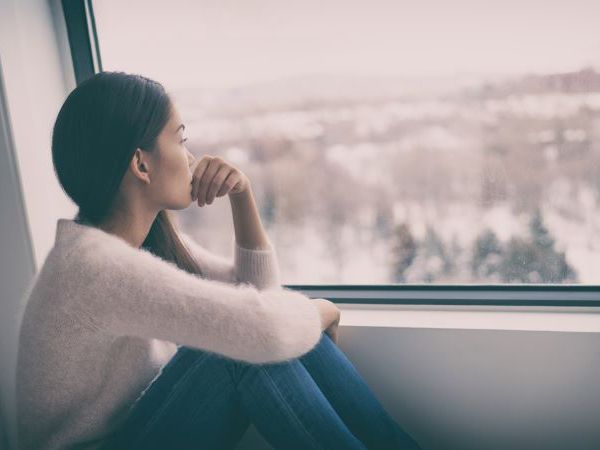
column 307, row 90
column 582, row 81
column 316, row 90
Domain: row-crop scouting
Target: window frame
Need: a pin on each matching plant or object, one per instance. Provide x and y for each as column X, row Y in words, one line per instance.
column 83, row 38
column 85, row 53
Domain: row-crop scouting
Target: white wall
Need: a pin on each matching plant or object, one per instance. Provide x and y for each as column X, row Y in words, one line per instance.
column 37, row 76
column 485, row 389
column 17, row 266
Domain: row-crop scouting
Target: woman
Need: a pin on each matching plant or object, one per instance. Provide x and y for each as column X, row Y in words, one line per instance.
column 136, row 337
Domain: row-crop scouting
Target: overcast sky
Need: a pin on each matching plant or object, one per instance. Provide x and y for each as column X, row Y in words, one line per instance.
column 226, row 43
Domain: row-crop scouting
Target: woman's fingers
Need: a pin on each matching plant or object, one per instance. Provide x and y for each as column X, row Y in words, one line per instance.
column 228, row 184
column 206, row 178
column 197, row 176
column 217, row 182
column 332, row 332
column 213, row 177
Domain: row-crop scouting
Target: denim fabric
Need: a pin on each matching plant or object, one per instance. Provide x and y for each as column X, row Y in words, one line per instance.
column 202, row 400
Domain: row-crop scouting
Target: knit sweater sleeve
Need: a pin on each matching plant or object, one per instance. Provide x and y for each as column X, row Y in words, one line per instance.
column 129, row 291
column 258, row 267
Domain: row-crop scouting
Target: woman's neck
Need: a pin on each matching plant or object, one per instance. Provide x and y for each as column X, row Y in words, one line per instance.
column 133, row 227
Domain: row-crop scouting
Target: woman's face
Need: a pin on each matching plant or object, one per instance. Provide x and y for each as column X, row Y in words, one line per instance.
column 171, row 162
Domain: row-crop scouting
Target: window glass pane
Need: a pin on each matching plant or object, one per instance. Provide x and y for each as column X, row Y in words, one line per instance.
column 389, row 142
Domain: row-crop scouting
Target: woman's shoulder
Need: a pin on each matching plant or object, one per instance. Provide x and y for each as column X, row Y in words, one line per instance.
column 82, row 265
column 85, row 246
column 80, row 254
column 54, row 288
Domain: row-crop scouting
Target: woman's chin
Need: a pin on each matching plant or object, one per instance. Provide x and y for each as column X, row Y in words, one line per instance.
column 183, row 204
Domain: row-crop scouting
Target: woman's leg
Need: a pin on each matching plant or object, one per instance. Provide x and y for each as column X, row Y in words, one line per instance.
column 204, row 400
column 352, row 399
column 288, row 408
column 192, row 404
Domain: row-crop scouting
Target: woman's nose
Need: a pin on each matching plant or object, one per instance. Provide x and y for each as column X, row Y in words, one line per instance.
column 190, row 157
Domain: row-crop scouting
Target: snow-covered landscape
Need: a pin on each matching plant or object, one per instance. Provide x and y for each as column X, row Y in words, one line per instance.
column 473, row 182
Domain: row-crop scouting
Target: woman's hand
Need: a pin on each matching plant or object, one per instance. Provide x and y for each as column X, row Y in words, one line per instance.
column 332, row 330
column 330, row 317
column 215, row 177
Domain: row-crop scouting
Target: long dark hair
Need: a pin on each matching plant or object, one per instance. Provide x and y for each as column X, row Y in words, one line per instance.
column 97, row 130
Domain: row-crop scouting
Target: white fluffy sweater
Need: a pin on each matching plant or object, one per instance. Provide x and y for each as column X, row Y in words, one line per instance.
column 103, row 317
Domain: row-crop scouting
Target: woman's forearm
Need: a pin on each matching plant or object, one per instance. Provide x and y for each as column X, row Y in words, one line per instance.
column 249, row 232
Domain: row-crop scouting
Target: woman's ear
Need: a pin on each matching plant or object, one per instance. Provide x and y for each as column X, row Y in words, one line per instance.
column 139, row 166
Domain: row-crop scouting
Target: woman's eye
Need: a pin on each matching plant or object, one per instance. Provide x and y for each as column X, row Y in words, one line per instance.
column 183, row 140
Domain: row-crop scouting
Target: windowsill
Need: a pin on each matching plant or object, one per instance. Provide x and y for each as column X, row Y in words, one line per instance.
column 523, row 318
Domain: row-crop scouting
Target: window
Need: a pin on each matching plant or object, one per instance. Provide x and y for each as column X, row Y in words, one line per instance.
column 389, row 142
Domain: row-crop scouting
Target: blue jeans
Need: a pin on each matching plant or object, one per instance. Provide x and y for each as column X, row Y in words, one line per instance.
column 205, row 400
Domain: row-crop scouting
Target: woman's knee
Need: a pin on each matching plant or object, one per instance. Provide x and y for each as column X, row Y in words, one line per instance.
column 207, row 359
